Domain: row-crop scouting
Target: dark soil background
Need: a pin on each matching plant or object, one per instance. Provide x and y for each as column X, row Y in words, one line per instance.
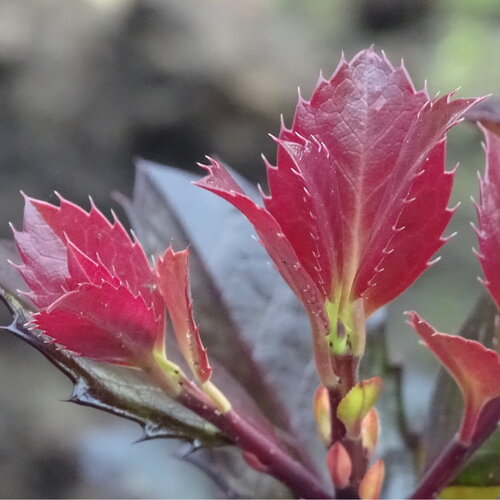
column 87, row 85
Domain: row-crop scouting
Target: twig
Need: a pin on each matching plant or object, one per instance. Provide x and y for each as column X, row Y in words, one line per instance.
column 274, row 458
column 456, row 454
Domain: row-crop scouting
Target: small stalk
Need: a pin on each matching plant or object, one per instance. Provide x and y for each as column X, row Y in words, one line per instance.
column 456, row 454
column 359, row 467
column 277, row 461
column 442, row 472
column 337, row 426
column 346, row 367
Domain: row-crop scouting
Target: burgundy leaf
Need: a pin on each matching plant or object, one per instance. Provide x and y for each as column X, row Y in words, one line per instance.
column 92, row 284
column 368, row 136
column 238, row 300
column 277, row 244
column 82, row 269
column 219, row 181
column 231, row 285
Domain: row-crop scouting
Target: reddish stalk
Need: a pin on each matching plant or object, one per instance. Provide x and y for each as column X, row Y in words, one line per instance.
column 338, row 428
column 278, row 462
column 444, row 469
column 455, row 455
column 346, row 367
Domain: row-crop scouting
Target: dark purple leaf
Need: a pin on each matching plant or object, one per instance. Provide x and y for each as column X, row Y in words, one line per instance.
column 249, row 320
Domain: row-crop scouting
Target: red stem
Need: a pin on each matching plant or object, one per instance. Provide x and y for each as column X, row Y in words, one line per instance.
column 444, row 469
column 346, row 368
column 278, row 462
column 337, row 426
column 455, row 455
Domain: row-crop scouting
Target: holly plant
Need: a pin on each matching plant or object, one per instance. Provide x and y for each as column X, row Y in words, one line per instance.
column 187, row 330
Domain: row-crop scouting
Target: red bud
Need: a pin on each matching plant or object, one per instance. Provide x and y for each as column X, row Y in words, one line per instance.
column 321, row 405
column 254, row 462
column 339, row 465
column 370, row 431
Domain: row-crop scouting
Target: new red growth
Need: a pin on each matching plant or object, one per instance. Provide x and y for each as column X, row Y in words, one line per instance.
column 92, row 284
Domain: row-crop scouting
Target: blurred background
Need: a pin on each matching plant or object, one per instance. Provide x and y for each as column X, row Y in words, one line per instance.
column 87, row 85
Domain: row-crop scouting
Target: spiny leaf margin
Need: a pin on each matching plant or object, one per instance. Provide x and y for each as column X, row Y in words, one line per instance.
column 164, row 419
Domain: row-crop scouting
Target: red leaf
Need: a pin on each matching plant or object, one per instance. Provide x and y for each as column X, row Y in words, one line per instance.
column 357, row 202
column 92, row 283
column 368, row 135
column 102, row 323
column 489, row 217
column 424, row 218
column 101, row 241
column 294, row 205
column 173, row 283
column 82, row 269
column 43, row 254
column 220, row 182
column 475, row 369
